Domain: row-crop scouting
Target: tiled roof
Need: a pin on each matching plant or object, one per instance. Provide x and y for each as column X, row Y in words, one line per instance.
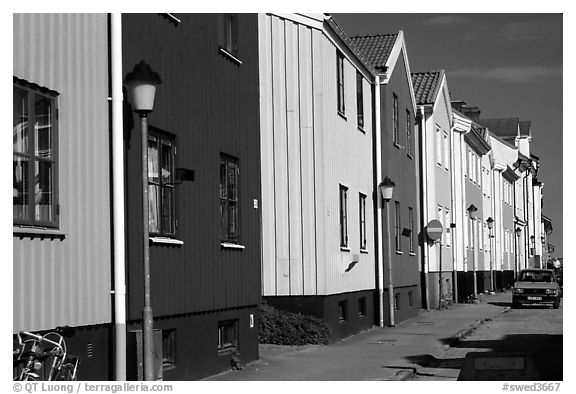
column 426, row 85
column 504, row 127
column 375, row 48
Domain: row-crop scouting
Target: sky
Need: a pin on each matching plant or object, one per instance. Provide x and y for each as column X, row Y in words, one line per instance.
column 508, row 65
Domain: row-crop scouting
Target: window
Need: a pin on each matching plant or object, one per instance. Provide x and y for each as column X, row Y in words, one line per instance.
column 359, row 99
column 34, row 136
column 410, row 299
column 343, row 216
column 168, row 348
column 438, row 146
column 447, row 227
column 408, row 133
column 362, row 307
column 398, row 228
column 229, row 219
column 411, row 224
column 227, row 336
column 397, row 301
column 342, row 310
column 446, row 152
column 395, row 121
column 161, row 197
column 362, row 221
column 340, row 82
column 229, row 33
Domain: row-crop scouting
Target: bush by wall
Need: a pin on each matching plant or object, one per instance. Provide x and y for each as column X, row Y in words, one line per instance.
column 286, row 328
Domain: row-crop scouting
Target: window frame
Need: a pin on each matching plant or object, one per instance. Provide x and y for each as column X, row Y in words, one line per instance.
column 224, row 345
column 398, row 226
column 395, row 121
column 228, row 32
column 225, row 202
column 362, row 220
column 340, row 88
column 32, row 90
column 409, row 150
column 439, row 155
column 342, row 311
column 169, row 347
column 360, row 99
column 411, row 224
column 163, row 138
column 343, row 215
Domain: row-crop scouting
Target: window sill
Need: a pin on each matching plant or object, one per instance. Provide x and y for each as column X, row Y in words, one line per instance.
column 166, row 241
column 228, row 350
column 399, row 252
column 412, row 254
column 227, row 245
column 397, row 145
column 410, row 156
column 365, row 251
column 343, row 116
column 37, row 232
column 230, row 56
column 361, row 128
column 344, row 248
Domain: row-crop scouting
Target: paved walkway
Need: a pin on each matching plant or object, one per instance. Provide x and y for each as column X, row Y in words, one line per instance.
column 389, row 353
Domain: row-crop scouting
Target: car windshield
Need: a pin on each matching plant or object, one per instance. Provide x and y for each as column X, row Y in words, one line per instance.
column 535, row 276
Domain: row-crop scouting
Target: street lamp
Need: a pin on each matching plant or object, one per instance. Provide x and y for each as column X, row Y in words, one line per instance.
column 387, row 189
column 472, row 214
column 142, row 82
column 490, row 224
column 518, row 232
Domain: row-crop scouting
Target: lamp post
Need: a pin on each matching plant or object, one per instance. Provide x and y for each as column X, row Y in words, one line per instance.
column 472, row 214
column 490, row 224
column 387, row 189
column 142, row 82
column 518, row 232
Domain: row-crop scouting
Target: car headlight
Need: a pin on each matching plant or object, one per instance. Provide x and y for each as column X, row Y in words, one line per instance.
column 551, row 291
column 518, row 291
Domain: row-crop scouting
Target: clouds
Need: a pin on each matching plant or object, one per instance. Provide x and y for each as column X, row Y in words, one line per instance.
column 509, row 74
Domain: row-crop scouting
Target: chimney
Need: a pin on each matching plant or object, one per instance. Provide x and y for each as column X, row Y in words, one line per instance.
column 472, row 112
column 458, row 105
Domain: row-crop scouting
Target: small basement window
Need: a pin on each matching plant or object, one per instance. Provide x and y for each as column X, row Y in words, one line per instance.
column 168, row 348
column 227, row 336
column 342, row 311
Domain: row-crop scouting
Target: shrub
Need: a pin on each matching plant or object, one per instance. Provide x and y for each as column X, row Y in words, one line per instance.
column 286, row 328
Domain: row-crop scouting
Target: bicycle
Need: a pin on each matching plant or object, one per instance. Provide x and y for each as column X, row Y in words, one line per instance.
column 35, row 352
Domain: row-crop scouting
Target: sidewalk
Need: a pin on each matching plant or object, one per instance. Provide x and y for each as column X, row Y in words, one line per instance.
column 389, row 353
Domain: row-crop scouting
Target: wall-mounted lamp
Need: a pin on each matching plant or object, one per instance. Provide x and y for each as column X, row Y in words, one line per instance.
column 387, row 189
column 472, row 211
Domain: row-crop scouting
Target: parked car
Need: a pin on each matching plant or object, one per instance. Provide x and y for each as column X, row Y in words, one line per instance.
column 536, row 286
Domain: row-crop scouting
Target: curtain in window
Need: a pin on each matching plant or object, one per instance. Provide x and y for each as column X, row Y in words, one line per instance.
column 153, row 187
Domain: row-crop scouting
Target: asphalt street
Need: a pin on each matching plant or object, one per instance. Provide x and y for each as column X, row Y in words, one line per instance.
column 431, row 346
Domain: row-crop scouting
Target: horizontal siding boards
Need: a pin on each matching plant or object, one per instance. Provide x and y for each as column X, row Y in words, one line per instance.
column 210, row 103
column 67, row 282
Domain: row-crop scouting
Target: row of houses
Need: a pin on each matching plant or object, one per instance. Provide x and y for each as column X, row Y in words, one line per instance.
column 291, row 129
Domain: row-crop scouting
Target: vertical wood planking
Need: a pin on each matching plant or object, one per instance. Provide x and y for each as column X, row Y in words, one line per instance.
column 281, row 158
column 294, row 158
column 267, row 156
column 59, row 282
column 306, row 99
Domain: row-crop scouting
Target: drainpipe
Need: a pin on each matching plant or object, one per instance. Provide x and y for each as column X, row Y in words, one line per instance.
column 424, row 204
column 453, row 215
column 377, row 142
column 118, row 199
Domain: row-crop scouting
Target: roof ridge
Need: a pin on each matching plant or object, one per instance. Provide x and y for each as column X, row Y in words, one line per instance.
column 375, row 35
column 429, row 71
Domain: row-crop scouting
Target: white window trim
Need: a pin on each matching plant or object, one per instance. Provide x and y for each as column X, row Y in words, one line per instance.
column 166, row 241
column 228, row 245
